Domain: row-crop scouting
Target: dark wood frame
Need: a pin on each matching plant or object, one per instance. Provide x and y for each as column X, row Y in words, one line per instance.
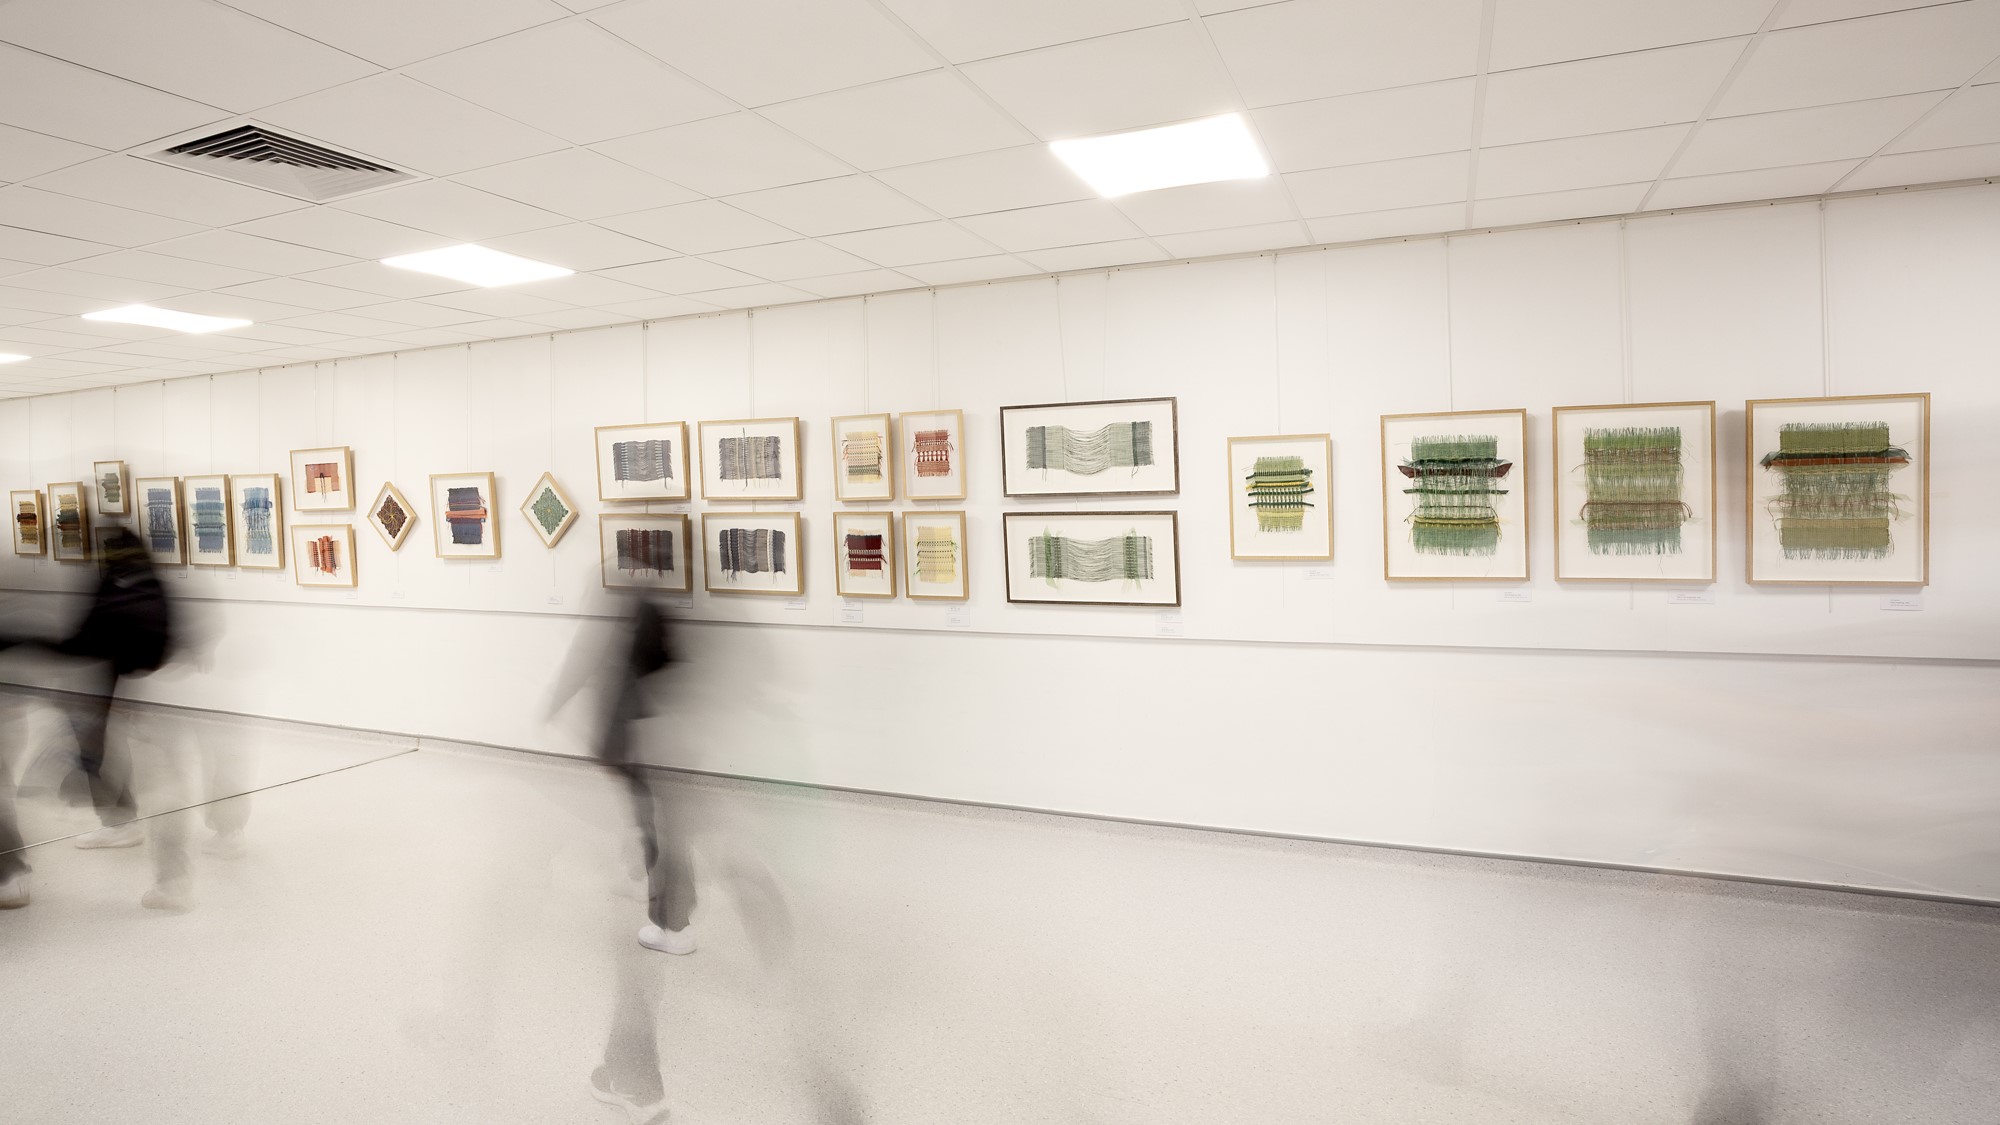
column 1173, row 410
column 1007, row 557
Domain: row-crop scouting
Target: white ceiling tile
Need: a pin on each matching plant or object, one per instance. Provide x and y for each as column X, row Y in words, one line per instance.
column 160, row 189
column 430, row 337
column 384, row 281
column 45, row 249
column 460, row 212
column 1322, row 48
column 725, row 155
column 33, row 209
column 578, row 318
column 37, row 340
column 507, row 302
column 574, row 79
column 1990, row 74
column 659, row 308
column 785, row 261
column 1969, row 117
column 772, row 51
column 1419, row 181
column 1238, row 203
column 833, row 206
column 197, row 49
column 857, row 283
column 394, row 33
column 248, row 252
column 988, row 268
column 1533, row 32
column 1879, row 56
column 964, row 32
column 399, row 121
column 305, row 294
column 1580, row 203
column 1733, row 187
column 417, row 314
column 1800, row 136
column 18, row 316
column 1599, row 160
column 682, row 275
column 1937, row 166
column 1096, row 256
column 579, row 183
column 696, row 228
column 7, row 267
column 1824, row 11
column 919, row 242
column 343, row 324
column 25, row 155
column 343, row 232
column 753, row 296
column 105, row 331
column 582, row 289
column 1363, row 128
column 55, row 304
column 902, row 121
column 232, row 305
column 1000, row 180
column 1058, row 224
column 273, row 334
column 1388, row 224
column 1124, row 81
column 116, row 290
column 1663, row 87
column 582, row 247
column 60, row 99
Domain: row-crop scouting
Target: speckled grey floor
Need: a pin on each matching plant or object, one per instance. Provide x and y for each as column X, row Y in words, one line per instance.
column 436, row 937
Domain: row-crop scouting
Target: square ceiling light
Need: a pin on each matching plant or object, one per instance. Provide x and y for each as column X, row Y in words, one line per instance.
column 1195, row 152
column 192, row 323
column 10, row 357
column 476, row 265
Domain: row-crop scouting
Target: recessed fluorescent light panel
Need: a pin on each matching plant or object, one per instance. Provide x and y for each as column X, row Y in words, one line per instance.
column 10, row 357
column 476, row 265
column 1197, row 152
column 167, row 318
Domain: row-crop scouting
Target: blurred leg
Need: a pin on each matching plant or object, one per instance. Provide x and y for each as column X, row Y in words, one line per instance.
column 90, row 718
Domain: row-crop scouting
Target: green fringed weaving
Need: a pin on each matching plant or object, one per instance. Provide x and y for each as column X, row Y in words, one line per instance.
column 1835, row 502
column 1278, row 487
column 1632, row 478
column 1455, row 480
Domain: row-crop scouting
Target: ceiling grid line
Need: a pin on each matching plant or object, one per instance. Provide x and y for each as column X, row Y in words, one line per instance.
column 1487, row 12
column 1721, row 90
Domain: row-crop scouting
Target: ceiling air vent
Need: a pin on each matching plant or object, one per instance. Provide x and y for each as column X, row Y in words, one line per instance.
column 254, row 155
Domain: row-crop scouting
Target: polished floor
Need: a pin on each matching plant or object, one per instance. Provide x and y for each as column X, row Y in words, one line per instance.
column 440, row 935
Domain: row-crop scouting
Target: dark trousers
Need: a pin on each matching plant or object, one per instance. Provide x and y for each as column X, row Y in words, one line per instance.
column 670, row 895
column 90, row 719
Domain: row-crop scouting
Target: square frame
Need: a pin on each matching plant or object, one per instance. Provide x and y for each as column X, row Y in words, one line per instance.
column 1576, row 559
column 609, row 558
column 1249, row 538
column 716, row 578
column 845, row 581
column 787, row 485
column 610, row 486
column 1094, row 422
column 913, row 581
column 857, row 429
column 922, row 455
column 545, row 485
column 39, row 522
column 195, row 556
column 323, row 555
column 1401, row 560
column 1020, row 530
column 154, row 526
column 307, row 496
column 485, row 514
column 122, row 477
column 384, row 496
column 243, row 488
column 1763, row 419
column 76, row 493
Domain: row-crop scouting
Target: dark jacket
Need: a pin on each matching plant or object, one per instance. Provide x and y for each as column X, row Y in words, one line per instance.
column 129, row 624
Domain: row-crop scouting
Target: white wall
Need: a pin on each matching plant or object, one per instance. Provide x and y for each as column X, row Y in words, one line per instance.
column 1797, row 733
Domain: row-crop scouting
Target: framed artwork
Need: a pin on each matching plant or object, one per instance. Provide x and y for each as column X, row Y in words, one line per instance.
column 1839, row 490
column 1455, row 496
column 205, row 499
column 933, row 454
column 549, row 510
column 864, row 554
column 391, row 515
column 1280, row 501
column 159, row 522
column 114, row 488
column 934, row 556
column 69, row 522
column 750, row 459
column 25, row 507
column 1126, row 447
column 864, row 458
column 643, row 551
column 323, row 554
column 1093, row 558
column 323, row 479
column 648, row 461
column 1635, row 492
column 462, row 516
column 751, row 553
column 258, row 531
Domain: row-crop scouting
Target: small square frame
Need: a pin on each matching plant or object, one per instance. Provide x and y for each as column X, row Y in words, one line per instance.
column 612, row 578
column 240, row 486
column 489, row 545
column 342, row 535
column 611, row 490
column 304, row 499
column 394, row 539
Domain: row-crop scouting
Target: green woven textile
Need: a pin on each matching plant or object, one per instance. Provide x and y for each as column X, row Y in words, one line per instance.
column 1632, row 478
column 549, row 511
column 1126, row 557
column 1836, row 501
column 1455, row 480
column 1278, row 487
column 1118, row 445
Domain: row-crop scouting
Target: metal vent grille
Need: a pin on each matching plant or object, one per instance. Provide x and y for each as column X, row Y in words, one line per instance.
column 254, row 155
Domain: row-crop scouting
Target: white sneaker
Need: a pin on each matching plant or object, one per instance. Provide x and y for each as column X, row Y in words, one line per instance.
column 677, row 942
column 126, row 835
column 642, row 1108
column 14, row 892
column 175, row 896
column 225, row 845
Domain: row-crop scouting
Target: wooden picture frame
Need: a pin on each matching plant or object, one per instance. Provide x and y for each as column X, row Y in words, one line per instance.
column 323, row 480
column 1881, row 444
column 1080, row 448
column 932, row 447
column 864, row 458
column 323, row 555
column 1100, row 552
column 29, row 521
column 69, row 522
column 392, row 515
column 548, row 510
column 930, row 571
column 111, row 484
column 775, row 567
column 1457, row 541
column 740, row 463
column 205, row 505
column 625, row 564
column 861, row 568
column 257, row 523
column 1277, row 512
column 1633, row 487
column 642, row 461
column 157, row 519
column 465, row 525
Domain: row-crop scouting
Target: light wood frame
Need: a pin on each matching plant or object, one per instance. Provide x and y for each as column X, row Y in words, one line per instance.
column 605, row 567
column 906, row 543
column 300, row 496
column 124, row 488
column 891, row 453
column 441, row 526
column 239, row 527
column 798, row 474
column 907, row 457
column 187, row 520
column 1174, row 424
column 891, row 560
column 1751, row 469
column 798, row 551
column 548, row 481
column 142, row 520
column 1527, row 497
column 389, row 491
column 1325, row 490
column 1007, row 556
column 343, row 533
column 680, row 456
column 1558, row 473
column 34, row 495
column 82, row 491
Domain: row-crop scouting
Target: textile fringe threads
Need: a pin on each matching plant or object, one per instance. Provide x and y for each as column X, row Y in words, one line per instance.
column 642, row 551
column 749, row 458
column 323, row 478
column 1836, row 502
column 861, row 455
column 1278, row 487
column 933, row 452
column 641, row 460
column 465, row 512
column 161, row 533
column 1118, row 445
column 27, row 524
column 322, row 556
column 1128, row 557
column 937, row 555
column 549, row 511
column 1632, row 478
column 257, row 521
column 392, row 516
column 1455, row 479
column 210, row 520
column 864, row 553
column 748, row 550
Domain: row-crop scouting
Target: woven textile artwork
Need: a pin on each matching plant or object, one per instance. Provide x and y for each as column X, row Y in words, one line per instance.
column 69, row 520
column 111, row 489
column 550, row 511
column 750, row 458
column 861, row 454
column 642, row 551
column 1836, row 502
column 1278, row 487
column 864, row 553
column 1632, row 478
column 162, row 534
column 465, row 512
column 27, row 524
column 392, row 517
column 1122, row 445
column 640, row 461
column 322, row 478
column 937, row 555
column 323, row 555
column 1126, row 557
column 1455, row 480
column 209, row 521
column 746, row 550
column 933, row 453
column 257, row 521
